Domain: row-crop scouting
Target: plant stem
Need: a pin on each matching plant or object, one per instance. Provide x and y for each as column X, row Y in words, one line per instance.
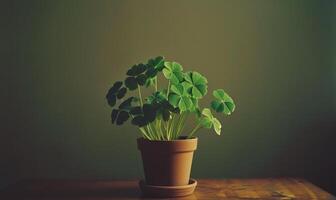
column 144, row 133
column 162, row 123
column 173, row 128
column 194, row 130
column 149, row 131
column 168, row 88
column 165, row 129
column 181, row 124
column 176, row 134
column 170, row 126
column 158, row 129
column 140, row 97
column 154, row 132
column 156, row 84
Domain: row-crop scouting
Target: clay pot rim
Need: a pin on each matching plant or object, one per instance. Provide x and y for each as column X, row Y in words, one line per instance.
column 167, row 141
column 181, row 145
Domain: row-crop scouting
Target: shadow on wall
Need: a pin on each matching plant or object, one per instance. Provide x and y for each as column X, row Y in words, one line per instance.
column 318, row 165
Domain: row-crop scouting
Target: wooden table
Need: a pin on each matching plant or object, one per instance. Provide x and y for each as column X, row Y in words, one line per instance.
column 284, row 188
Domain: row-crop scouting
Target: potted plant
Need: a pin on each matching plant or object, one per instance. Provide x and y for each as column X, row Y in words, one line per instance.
column 166, row 148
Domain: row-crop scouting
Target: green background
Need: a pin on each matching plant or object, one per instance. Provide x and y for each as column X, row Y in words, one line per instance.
column 275, row 58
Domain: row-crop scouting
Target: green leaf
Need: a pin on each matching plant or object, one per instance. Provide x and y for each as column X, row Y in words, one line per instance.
column 223, row 102
column 180, row 98
column 116, row 86
column 184, row 103
column 119, row 116
column 173, row 72
column 149, row 111
column 217, row 106
column 136, row 70
column 131, row 83
column 127, row 104
column 136, row 110
column 217, row 126
column 187, row 86
column 157, row 97
column 122, row 117
column 177, row 89
column 151, row 72
column 206, row 122
column 198, row 79
column 145, row 115
column 111, row 95
column 206, row 112
column 209, row 121
column 157, row 63
column 174, row 99
column 114, row 115
column 141, row 79
column 121, row 93
column 111, row 99
column 194, row 106
column 139, row 121
column 197, row 84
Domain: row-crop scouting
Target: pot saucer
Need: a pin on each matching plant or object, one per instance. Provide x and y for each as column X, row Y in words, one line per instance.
column 168, row 191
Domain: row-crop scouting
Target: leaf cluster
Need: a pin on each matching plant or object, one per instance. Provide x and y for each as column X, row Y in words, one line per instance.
column 181, row 96
column 144, row 74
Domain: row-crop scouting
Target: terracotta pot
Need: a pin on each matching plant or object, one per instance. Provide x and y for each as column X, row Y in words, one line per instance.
column 167, row 163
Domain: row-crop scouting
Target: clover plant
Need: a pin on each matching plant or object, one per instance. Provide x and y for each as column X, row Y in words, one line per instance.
column 162, row 115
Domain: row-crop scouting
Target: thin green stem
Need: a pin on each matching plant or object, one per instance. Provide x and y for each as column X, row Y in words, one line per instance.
column 181, row 124
column 165, row 129
column 175, row 125
column 169, row 124
column 140, row 96
column 154, row 132
column 168, row 88
column 158, row 129
column 144, row 133
column 171, row 127
column 149, row 132
column 194, row 130
column 176, row 134
column 156, row 84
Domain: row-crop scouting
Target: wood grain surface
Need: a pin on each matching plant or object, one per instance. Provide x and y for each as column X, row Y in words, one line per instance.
column 207, row 189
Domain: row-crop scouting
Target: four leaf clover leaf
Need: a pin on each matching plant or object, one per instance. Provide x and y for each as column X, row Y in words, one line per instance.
column 173, row 72
column 144, row 74
column 223, row 103
column 144, row 114
column 196, row 84
column 209, row 121
column 180, row 98
column 116, row 91
column 121, row 115
column 156, row 63
column 154, row 66
column 136, row 76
